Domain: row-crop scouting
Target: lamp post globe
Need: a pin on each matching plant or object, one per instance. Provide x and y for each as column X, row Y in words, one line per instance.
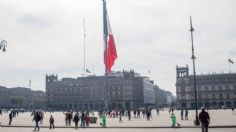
column 3, row 45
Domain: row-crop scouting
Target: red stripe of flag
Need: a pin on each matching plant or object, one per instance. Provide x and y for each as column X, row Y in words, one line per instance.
column 111, row 47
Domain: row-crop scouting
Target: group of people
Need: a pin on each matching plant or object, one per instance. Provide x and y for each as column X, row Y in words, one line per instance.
column 38, row 118
column 182, row 114
column 203, row 117
column 82, row 116
column 146, row 113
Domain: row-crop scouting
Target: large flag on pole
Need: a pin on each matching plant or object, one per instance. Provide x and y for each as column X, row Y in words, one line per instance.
column 110, row 54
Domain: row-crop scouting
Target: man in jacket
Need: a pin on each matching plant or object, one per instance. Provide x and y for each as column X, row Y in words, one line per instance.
column 51, row 122
column 204, row 119
column 36, row 118
column 76, row 119
column 10, row 117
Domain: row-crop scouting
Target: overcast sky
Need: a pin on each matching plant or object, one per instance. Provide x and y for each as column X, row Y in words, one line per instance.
column 46, row 36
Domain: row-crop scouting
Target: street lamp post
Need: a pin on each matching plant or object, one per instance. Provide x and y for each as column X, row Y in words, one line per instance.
column 3, row 45
column 196, row 122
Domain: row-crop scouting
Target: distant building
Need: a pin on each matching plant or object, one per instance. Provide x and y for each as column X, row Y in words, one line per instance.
column 163, row 98
column 213, row 90
column 20, row 97
column 125, row 90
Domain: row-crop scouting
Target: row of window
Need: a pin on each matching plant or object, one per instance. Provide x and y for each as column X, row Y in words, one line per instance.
column 207, row 88
column 89, row 82
column 97, row 89
column 208, row 96
column 84, row 98
column 92, row 93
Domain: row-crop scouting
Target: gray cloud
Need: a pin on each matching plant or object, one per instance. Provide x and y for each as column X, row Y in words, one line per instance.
column 34, row 21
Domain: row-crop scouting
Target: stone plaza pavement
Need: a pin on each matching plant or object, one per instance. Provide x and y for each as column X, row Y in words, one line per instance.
column 218, row 118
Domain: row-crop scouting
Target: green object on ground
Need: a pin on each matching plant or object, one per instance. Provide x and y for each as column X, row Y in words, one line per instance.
column 103, row 120
column 173, row 120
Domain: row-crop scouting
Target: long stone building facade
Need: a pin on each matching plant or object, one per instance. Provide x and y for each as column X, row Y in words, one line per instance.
column 20, row 97
column 163, row 98
column 214, row 90
column 126, row 90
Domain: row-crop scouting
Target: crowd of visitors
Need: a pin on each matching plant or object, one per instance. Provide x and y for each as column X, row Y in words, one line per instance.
column 84, row 118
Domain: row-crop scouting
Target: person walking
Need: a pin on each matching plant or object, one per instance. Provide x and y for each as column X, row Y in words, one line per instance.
column 120, row 117
column 10, row 117
column 144, row 113
column 204, row 119
column 186, row 114
column 51, row 122
column 157, row 109
column 66, row 118
column 36, row 119
column 76, row 120
column 148, row 114
column 135, row 113
column 41, row 114
column 70, row 116
column 138, row 114
column 87, row 119
column 182, row 114
column 232, row 110
column 129, row 115
column 82, row 119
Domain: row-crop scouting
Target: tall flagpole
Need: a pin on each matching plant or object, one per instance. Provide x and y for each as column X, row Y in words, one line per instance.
column 84, row 44
column 106, row 52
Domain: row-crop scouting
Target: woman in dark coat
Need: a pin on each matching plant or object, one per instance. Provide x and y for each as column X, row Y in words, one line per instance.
column 76, row 119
